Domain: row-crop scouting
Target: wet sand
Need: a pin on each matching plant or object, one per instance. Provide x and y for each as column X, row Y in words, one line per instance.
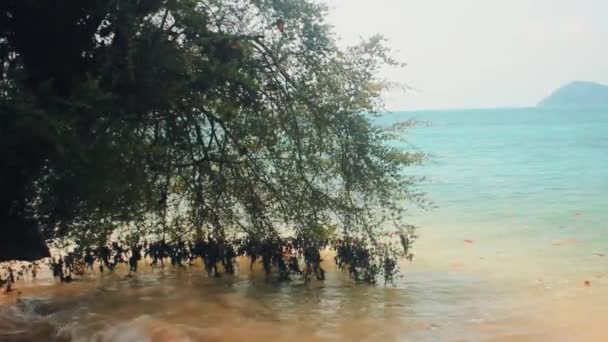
column 461, row 294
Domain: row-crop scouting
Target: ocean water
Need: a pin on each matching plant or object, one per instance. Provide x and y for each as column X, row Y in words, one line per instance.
column 518, row 182
column 516, row 249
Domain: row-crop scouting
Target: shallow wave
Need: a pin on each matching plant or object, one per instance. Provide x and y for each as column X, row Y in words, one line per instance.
column 29, row 320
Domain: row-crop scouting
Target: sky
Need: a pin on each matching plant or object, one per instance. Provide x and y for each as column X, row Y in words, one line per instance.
column 481, row 53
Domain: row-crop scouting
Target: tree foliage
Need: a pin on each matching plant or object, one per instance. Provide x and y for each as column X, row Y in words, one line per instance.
column 190, row 119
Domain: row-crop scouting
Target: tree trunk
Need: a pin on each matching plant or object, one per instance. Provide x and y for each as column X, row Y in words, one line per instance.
column 21, row 240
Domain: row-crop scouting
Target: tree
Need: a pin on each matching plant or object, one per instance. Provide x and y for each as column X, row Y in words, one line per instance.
column 182, row 119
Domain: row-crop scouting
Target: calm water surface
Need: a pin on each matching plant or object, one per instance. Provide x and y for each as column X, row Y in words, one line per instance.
column 527, row 187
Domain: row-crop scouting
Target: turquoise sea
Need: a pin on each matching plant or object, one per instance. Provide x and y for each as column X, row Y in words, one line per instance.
column 518, row 182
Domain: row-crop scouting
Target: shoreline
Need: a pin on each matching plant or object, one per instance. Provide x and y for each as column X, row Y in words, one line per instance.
column 483, row 304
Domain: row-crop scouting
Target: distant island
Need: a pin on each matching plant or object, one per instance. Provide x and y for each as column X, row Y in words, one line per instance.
column 578, row 94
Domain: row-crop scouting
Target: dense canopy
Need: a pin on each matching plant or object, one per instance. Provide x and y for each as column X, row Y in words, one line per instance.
column 186, row 120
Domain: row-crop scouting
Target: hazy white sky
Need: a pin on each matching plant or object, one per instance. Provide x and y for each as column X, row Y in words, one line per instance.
column 482, row 53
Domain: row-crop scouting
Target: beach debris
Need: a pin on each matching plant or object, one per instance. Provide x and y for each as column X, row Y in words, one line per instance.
column 470, row 242
column 423, row 325
column 588, row 283
column 456, row 265
column 567, row 242
column 577, row 214
column 428, row 325
column 600, row 254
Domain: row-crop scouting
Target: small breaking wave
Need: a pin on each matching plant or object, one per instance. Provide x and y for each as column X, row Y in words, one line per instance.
column 29, row 320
